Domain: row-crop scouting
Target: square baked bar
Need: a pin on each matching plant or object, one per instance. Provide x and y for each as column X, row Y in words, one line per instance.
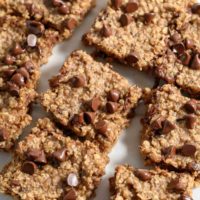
column 48, row 166
column 156, row 184
column 89, row 98
column 63, row 16
column 134, row 32
column 171, row 127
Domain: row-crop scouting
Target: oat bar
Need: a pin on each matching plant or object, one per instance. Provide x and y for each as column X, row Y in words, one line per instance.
column 171, row 126
column 89, row 98
column 48, row 165
column 156, row 184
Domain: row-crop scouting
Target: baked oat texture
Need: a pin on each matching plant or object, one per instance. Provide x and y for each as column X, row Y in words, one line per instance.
column 63, row 16
column 89, row 98
column 134, row 33
column 171, row 128
column 156, row 184
column 47, row 176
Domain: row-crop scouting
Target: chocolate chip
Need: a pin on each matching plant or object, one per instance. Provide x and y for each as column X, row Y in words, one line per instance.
column 17, row 49
column 35, row 27
column 167, row 127
column 89, row 117
column 158, row 123
column 185, row 58
column 169, row 151
column 54, row 82
column 57, row 3
column 95, row 103
column 9, row 72
column 185, row 197
column 111, row 107
column 176, row 37
column 191, row 106
column 188, row 150
column 29, row 167
column 193, row 166
column 113, row 95
column 125, row 20
column 78, row 81
column 63, row 9
column 117, row 3
column 70, row 24
column 77, row 119
column 195, row 64
column 148, row 17
column 23, row 72
column 132, row 58
column 101, row 127
column 143, row 175
column 189, row 44
column 18, row 79
column 196, row 8
column 177, row 185
column 3, row 135
column 9, row 60
column 178, row 48
column 37, row 156
column 71, row 195
column 190, row 121
column 60, row 155
column 29, row 66
column 131, row 7
column 106, row 31
column 13, row 89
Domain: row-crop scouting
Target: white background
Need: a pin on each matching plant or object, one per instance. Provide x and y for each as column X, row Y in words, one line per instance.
column 126, row 150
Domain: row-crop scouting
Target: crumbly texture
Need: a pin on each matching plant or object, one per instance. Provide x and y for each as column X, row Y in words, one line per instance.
column 65, row 21
column 80, row 108
column 139, row 41
column 49, row 180
column 15, row 30
column 179, row 69
column 130, row 183
column 171, row 128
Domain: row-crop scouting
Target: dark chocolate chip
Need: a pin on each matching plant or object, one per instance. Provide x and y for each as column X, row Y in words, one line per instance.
column 167, row 127
column 3, row 135
column 77, row 119
column 185, row 197
column 177, row 185
column 148, row 17
column 191, row 106
column 71, row 195
column 37, row 156
column 35, row 27
column 18, row 79
column 125, row 20
column 169, row 151
column 158, row 123
column 70, row 24
column 13, row 89
column 78, row 81
column 63, row 9
column 188, row 150
column 143, row 175
column 176, row 37
column 106, row 31
column 111, row 107
column 95, row 103
column 17, row 49
column 196, row 8
column 89, row 117
column 101, row 127
column 113, row 95
column 195, row 64
column 60, row 155
column 178, row 48
column 23, row 71
column 189, row 44
column 57, row 3
column 29, row 167
column 190, row 121
column 117, row 3
column 132, row 58
column 185, row 58
column 9, row 60
column 131, row 6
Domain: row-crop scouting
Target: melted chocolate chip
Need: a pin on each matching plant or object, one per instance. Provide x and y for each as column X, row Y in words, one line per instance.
column 111, row 107
column 185, row 58
column 190, row 121
column 29, row 66
column 77, row 119
column 113, row 95
column 125, row 20
column 60, row 155
column 78, row 81
column 101, row 127
column 117, row 3
column 167, row 127
column 95, row 103
column 177, row 185
column 106, row 31
column 18, row 79
column 148, row 17
column 191, row 106
column 89, row 117
column 3, row 135
column 57, row 3
column 71, row 195
column 9, row 60
column 35, row 27
column 23, row 71
column 17, row 49
column 132, row 58
column 188, row 150
column 196, row 8
column 189, row 44
column 195, row 63
column 158, row 123
column 178, row 48
column 169, row 151
column 37, row 156
column 13, row 89
column 70, row 24
column 131, row 7
column 63, row 9
column 29, row 167
column 176, row 37
column 143, row 175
